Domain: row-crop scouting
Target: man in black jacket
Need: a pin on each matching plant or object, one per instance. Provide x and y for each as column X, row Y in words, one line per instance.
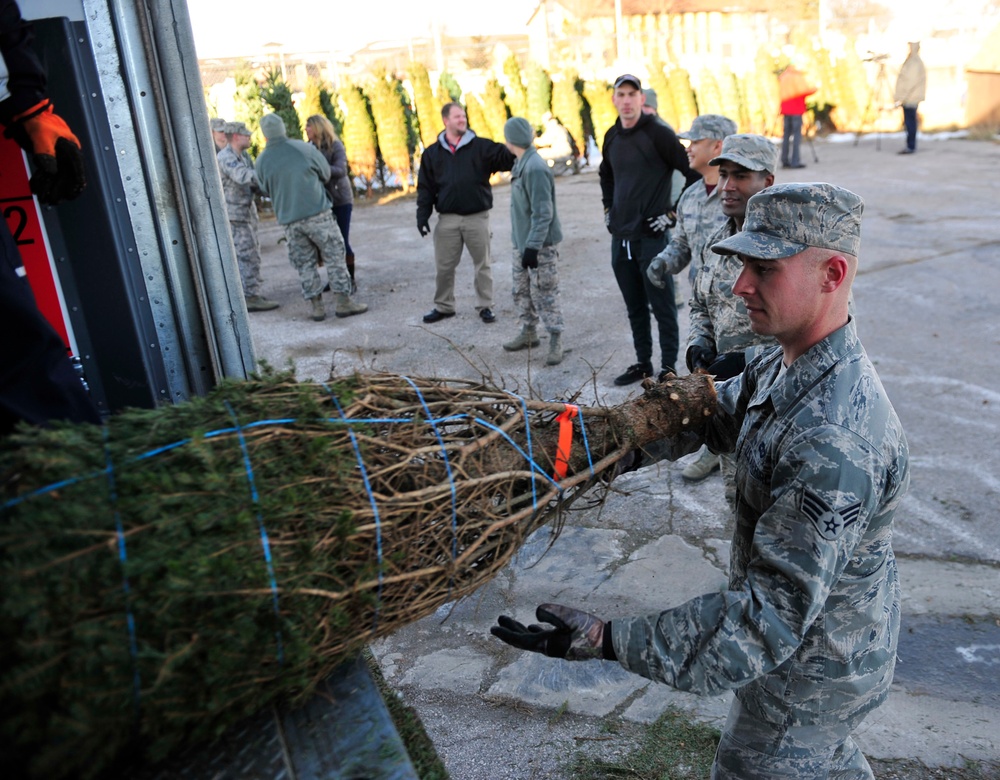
column 454, row 178
column 640, row 155
column 37, row 381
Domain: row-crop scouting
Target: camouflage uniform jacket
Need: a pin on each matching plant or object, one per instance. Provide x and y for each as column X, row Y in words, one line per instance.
column 719, row 318
column 238, row 184
column 699, row 215
column 806, row 632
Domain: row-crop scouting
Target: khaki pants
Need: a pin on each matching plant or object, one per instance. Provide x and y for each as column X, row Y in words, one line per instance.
column 451, row 233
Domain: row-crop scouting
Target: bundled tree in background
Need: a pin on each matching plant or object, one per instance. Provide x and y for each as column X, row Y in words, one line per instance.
column 359, row 136
column 392, row 132
column 310, row 103
column 517, row 97
column 428, row 108
column 494, row 109
column 331, row 109
column 602, row 111
column 539, row 93
column 278, row 95
column 477, row 117
column 248, row 106
column 709, row 96
column 567, row 106
column 759, row 115
column 449, row 90
column 682, row 97
column 766, row 69
column 732, row 97
column 664, row 97
column 850, row 91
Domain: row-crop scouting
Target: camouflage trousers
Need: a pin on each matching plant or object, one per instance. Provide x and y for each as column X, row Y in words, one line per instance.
column 536, row 291
column 247, row 248
column 753, row 749
column 309, row 240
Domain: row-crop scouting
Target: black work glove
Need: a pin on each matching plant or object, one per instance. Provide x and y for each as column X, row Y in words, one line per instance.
column 529, row 258
column 607, row 219
column 423, row 227
column 575, row 635
column 699, row 357
column 728, row 365
column 59, row 172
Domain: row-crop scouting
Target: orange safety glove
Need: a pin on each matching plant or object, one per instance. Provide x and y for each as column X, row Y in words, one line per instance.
column 59, row 172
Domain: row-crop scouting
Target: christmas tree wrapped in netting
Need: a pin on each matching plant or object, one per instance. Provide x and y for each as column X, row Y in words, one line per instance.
column 177, row 569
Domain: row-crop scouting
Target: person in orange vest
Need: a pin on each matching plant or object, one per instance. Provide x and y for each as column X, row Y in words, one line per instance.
column 793, row 88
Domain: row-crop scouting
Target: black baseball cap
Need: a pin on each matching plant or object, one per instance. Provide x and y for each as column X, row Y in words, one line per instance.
column 628, row 78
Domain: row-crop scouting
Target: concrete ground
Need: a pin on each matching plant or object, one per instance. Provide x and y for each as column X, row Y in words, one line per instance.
column 928, row 310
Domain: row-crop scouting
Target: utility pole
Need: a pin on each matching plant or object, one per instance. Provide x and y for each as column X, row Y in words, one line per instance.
column 619, row 31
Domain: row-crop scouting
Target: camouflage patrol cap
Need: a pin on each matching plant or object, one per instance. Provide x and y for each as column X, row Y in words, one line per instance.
column 753, row 152
column 714, row 126
column 786, row 219
column 237, row 128
column 218, row 124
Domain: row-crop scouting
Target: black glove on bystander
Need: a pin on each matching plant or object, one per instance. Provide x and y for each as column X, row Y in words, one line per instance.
column 529, row 258
column 699, row 357
column 423, row 227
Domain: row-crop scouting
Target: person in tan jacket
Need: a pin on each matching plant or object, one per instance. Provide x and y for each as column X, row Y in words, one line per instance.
column 911, row 89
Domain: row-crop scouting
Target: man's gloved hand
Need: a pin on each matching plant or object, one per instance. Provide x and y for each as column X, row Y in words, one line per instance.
column 657, row 272
column 529, row 258
column 699, row 357
column 661, row 222
column 607, row 219
column 423, row 227
column 59, row 172
column 728, row 365
column 574, row 635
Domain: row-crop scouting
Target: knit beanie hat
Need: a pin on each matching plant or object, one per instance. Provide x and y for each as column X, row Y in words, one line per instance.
column 272, row 126
column 517, row 131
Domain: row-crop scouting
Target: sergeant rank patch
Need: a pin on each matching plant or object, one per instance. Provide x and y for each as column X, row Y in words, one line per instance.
column 830, row 522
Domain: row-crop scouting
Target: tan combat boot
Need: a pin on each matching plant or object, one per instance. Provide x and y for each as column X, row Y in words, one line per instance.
column 526, row 338
column 318, row 312
column 348, row 308
column 260, row 303
column 555, row 355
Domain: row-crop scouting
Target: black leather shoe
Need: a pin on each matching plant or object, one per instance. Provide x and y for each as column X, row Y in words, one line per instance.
column 634, row 373
column 666, row 374
column 436, row 316
column 487, row 315
column 796, row 165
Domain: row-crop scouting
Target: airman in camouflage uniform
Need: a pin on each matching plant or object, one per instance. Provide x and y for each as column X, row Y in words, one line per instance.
column 239, row 183
column 699, row 212
column 535, row 235
column 218, row 126
column 720, row 339
column 806, row 633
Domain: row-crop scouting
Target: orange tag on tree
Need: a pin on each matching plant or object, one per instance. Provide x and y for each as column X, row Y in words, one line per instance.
column 565, row 420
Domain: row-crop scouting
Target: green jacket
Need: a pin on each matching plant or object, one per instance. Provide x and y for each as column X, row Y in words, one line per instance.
column 533, row 218
column 294, row 174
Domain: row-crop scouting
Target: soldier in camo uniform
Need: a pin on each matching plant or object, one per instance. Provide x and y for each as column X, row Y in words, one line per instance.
column 806, row 632
column 699, row 215
column 720, row 339
column 239, row 183
column 699, row 210
column 535, row 234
